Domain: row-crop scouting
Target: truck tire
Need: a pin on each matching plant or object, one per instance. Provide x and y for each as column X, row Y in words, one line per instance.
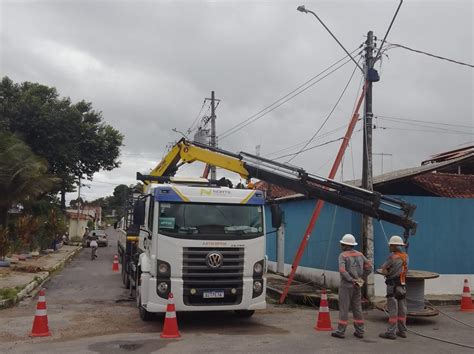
column 144, row 314
column 125, row 278
column 244, row 313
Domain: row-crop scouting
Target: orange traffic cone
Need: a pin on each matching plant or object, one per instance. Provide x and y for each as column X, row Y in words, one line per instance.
column 170, row 327
column 324, row 320
column 115, row 264
column 40, row 323
column 466, row 299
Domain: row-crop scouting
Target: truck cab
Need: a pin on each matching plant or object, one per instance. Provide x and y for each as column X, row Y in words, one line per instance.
column 206, row 245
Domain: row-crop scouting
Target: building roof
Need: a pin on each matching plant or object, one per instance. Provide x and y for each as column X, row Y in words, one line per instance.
column 449, row 174
column 447, row 184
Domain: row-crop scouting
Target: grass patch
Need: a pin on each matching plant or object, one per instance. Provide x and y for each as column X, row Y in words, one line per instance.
column 9, row 293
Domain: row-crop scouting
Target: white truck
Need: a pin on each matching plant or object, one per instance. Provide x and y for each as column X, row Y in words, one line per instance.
column 206, row 244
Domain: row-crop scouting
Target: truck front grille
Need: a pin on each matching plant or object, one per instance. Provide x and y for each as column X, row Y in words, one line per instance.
column 198, row 275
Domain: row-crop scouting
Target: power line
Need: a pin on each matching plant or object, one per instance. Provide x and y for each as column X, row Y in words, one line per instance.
column 328, row 116
column 310, row 148
column 198, row 116
column 423, row 121
column 425, row 130
column 263, row 112
column 305, row 140
column 438, row 128
column 395, row 45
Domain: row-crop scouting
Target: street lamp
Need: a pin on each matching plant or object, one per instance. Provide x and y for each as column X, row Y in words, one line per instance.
column 301, row 8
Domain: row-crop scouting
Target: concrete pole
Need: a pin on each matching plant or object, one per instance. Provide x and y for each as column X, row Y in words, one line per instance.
column 280, row 246
column 367, row 182
column 213, row 130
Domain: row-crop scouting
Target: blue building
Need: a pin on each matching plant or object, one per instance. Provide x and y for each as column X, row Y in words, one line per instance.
column 442, row 188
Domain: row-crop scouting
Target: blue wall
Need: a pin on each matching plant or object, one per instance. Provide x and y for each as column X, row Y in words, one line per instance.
column 443, row 243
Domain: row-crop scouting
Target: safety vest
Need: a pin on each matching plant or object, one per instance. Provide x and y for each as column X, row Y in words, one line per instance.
column 404, row 257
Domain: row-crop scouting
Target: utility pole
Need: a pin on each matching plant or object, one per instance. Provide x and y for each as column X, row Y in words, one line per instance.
column 213, row 131
column 367, row 183
column 78, row 206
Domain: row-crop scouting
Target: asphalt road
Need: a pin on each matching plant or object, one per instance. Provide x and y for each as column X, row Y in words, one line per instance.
column 88, row 312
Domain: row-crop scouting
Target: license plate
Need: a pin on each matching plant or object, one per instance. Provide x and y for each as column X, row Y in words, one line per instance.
column 217, row 294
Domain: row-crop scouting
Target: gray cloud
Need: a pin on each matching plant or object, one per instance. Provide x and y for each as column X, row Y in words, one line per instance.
column 147, row 65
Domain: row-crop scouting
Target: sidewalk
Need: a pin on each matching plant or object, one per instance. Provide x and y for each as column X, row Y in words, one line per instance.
column 24, row 277
column 310, row 294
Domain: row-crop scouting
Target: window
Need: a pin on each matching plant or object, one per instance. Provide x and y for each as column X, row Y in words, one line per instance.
column 194, row 220
column 151, row 210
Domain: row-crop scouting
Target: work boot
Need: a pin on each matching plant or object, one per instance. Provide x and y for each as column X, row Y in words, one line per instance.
column 337, row 335
column 358, row 335
column 387, row 335
column 402, row 334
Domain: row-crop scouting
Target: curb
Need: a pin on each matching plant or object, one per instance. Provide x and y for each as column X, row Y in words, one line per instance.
column 34, row 286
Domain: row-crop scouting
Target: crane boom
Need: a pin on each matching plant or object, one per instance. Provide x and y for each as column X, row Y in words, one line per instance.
column 290, row 177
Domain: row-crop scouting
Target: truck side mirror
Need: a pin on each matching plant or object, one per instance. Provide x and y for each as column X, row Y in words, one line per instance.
column 139, row 213
column 277, row 215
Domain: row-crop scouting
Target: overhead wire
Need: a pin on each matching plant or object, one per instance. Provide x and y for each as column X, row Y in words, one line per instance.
column 423, row 121
column 290, row 95
column 197, row 117
column 327, row 117
column 424, row 130
column 396, row 45
column 330, row 132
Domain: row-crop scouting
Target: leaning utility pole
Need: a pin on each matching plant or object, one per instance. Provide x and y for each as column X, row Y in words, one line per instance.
column 213, row 130
column 367, row 183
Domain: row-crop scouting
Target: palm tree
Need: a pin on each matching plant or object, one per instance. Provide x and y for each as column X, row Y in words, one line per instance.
column 23, row 175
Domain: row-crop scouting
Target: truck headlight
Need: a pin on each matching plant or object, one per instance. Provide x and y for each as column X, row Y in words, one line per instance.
column 258, row 268
column 162, row 287
column 163, row 268
column 257, row 286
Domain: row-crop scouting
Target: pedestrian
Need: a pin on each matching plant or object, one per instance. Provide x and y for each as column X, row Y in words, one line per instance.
column 94, row 245
column 395, row 270
column 353, row 269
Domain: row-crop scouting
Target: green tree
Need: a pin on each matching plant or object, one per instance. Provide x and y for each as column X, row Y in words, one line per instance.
column 72, row 137
column 23, row 175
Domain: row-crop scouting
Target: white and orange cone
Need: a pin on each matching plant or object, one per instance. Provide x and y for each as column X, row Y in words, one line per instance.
column 40, row 323
column 324, row 319
column 115, row 264
column 466, row 299
column 170, row 327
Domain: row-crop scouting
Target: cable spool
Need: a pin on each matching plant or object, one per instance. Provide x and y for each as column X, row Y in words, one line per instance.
column 416, row 295
column 415, row 284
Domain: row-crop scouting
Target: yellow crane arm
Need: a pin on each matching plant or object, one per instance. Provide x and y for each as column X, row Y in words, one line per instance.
column 186, row 152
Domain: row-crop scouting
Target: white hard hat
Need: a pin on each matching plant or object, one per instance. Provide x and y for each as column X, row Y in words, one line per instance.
column 348, row 239
column 396, row 240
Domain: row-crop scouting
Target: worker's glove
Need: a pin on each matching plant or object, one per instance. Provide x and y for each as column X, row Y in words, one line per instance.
column 358, row 283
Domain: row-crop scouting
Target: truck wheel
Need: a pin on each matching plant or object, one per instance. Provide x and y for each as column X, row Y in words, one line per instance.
column 144, row 314
column 244, row 313
column 125, row 278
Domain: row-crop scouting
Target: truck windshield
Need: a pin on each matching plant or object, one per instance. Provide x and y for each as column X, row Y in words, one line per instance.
column 193, row 220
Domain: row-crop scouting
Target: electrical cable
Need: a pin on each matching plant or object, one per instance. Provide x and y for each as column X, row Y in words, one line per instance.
column 255, row 116
column 424, row 130
column 434, row 338
column 327, row 118
column 310, row 148
column 197, row 118
column 451, row 317
column 440, row 340
column 395, row 45
column 330, row 132
column 441, row 129
column 250, row 121
column 423, row 121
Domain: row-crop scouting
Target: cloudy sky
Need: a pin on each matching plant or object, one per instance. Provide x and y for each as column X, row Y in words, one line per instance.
column 148, row 65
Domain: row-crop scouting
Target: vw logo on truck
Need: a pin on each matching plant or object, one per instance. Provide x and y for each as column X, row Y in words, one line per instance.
column 214, row 260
